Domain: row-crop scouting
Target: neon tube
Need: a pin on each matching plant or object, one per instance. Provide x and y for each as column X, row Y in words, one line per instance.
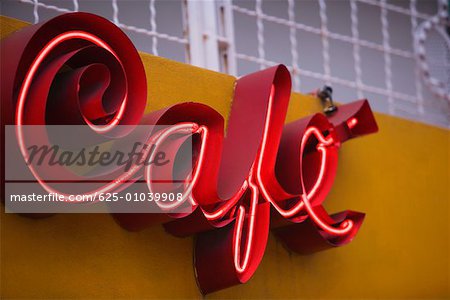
column 237, row 235
column 345, row 226
column 352, row 122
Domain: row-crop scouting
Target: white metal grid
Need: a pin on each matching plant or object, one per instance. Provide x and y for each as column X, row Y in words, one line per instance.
column 209, row 41
column 152, row 32
column 326, row 34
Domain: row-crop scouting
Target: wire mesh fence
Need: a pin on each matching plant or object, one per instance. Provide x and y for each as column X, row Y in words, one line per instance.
column 364, row 48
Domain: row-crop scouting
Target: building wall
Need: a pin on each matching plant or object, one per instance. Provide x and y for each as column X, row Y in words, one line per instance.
column 399, row 177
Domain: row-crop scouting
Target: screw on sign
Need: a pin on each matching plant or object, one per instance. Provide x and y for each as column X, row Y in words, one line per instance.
column 264, row 174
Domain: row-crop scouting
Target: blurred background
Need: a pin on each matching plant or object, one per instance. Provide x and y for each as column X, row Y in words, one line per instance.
column 393, row 52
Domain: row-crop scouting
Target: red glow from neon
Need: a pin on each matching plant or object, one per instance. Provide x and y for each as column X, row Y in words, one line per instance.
column 322, row 147
column 23, row 94
column 262, row 187
column 237, row 236
column 352, row 122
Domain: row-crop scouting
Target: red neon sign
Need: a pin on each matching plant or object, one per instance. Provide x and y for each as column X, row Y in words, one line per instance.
column 263, row 174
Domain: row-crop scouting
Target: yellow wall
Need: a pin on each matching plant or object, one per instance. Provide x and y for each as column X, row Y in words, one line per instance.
column 399, row 177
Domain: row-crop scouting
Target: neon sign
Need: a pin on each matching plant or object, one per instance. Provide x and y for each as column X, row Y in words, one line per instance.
column 261, row 175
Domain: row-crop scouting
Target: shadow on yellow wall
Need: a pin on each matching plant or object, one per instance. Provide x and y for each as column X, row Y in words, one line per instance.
column 399, row 177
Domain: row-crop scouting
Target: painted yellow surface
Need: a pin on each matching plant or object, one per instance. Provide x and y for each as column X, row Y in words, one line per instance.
column 399, row 177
